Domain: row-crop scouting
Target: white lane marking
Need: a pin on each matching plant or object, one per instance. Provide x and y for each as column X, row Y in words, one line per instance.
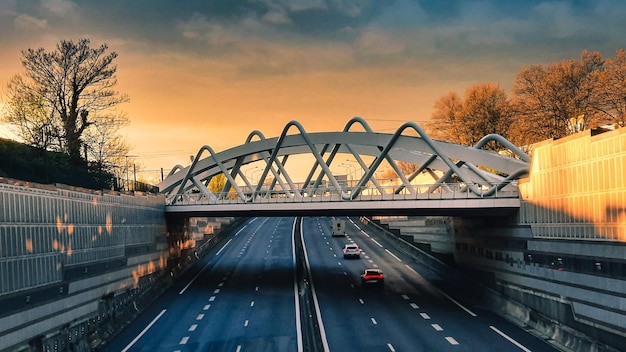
column 184, row 340
column 194, row 279
column 451, row 340
column 414, row 306
column 206, row 307
column 200, row 316
column 220, row 284
column 405, row 297
column 345, row 273
column 252, row 304
column 193, row 327
column 393, row 255
column 413, row 270
column 425, row 316
column 458, row 304
column 296, row 294
column 379, row 245
column 361, row 301
column 320, row 321
column 256, row 288
column 224, row 246
column 374, row 321
column 245, row 323
column 238, row 348
column 144, row 331
column 509, row 338
column 437, row 327
column 212, row 298
column 391, row 348
column 217, row 290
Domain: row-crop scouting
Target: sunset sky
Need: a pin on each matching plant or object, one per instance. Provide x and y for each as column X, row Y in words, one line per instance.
column 210, row 72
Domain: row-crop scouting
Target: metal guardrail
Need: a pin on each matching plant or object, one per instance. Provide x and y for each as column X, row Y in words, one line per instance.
column 449, row 191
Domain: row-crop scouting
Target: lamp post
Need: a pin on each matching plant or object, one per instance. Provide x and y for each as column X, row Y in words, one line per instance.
column 252, row 176
column 350, row 173
column 245, row 174
column 354, row 162
column 127, row 178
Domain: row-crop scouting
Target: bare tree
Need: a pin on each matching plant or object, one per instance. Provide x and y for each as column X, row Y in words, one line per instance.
column 70, row 86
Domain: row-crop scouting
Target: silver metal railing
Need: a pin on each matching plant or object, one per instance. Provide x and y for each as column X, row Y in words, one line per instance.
column 385, row 193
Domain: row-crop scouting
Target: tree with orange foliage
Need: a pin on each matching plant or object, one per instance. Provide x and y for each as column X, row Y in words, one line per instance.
column 558, row 99
column 611, row 89
column 485, row 109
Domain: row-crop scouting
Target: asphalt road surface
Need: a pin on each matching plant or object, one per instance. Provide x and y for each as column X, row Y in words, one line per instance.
column 243, row 297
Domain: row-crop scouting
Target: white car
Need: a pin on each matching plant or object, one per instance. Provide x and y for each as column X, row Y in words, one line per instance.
column 351, row 250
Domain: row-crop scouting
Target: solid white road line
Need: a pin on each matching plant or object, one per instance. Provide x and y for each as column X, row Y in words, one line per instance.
column 144, row 331
column 458, row 304
column 194, row 278
column 295, row 291
column 320, row 322
column 509, row 338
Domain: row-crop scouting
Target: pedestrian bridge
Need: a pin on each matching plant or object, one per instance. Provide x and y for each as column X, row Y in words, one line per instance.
column 405, row 172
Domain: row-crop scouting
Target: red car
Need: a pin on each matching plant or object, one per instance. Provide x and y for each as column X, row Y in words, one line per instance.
column 373, row 277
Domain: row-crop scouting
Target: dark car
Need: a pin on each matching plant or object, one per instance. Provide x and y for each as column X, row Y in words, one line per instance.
column 373, row 277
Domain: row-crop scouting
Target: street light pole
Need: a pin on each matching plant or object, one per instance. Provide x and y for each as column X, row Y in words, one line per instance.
column 127, row 177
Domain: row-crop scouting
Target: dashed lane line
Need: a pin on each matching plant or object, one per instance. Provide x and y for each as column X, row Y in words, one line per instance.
column 393, row 255
column 451, row 340
column 510, row 339
column 437, row 327
column 379, row 245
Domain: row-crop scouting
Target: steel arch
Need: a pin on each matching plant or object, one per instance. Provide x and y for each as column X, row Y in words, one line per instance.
column 447, row 163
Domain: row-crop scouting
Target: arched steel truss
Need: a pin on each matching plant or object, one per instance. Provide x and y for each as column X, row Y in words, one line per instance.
column 448, row 164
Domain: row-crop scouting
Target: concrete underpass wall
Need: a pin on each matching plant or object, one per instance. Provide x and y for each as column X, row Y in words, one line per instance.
column 560, row 261
column 76, row 265
column 71, row 259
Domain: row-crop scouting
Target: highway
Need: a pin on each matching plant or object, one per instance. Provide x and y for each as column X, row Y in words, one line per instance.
column 243, row 297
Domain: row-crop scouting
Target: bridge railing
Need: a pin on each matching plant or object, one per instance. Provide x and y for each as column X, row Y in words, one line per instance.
column 442, row 191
